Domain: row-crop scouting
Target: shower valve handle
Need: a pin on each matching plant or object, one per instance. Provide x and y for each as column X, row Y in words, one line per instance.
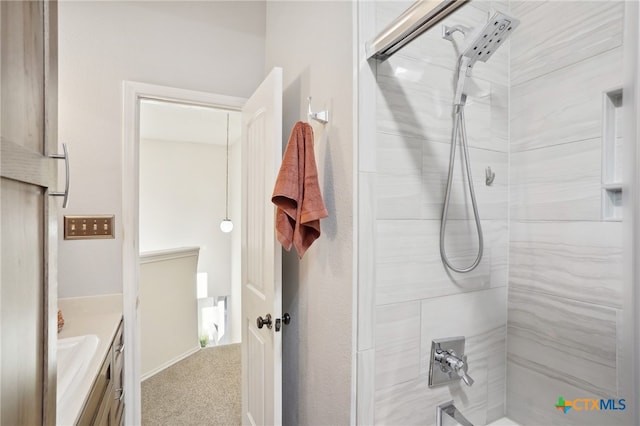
column 451, row 363
column 462, row 372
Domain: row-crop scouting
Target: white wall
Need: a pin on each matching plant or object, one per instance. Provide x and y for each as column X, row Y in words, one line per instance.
column 182, row 201
column 168, row 308
column 313, row 43
column 216, row 47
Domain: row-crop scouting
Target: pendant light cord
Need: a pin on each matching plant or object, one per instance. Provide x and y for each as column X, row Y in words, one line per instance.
column 227, row 186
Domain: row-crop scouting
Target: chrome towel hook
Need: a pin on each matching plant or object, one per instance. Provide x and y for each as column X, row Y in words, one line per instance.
column 321, row 117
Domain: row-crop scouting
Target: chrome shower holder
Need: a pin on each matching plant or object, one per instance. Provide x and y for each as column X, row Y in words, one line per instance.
column 447, row 31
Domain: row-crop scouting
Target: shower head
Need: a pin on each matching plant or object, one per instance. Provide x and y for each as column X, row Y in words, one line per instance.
column 492, row 36
column 487, row 41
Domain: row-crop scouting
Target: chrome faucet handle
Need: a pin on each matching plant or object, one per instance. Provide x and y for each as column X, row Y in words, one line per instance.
column 467, row 379
column 461, row 370
column 451, row 363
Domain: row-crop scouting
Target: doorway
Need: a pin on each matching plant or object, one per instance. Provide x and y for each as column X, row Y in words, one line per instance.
column 189, row 181
column 261, row 265
column 189, row 262
column 163, row 100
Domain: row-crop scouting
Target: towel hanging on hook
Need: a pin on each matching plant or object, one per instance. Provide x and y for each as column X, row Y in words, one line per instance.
column 321, row 117
column 297, row 193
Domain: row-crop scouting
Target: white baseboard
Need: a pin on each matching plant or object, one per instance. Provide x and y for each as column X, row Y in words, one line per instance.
column 169, row 363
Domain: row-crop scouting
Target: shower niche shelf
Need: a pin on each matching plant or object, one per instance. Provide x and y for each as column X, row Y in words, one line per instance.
column 612, row 155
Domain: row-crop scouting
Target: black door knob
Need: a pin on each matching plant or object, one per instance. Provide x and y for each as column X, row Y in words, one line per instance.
column 286, row 319
column 261, row 322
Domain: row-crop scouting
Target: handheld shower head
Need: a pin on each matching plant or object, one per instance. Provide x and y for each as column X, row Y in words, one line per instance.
column 492, row 36
column 487, row 41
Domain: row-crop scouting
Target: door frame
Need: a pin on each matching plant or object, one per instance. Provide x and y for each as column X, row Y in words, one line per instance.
column 133, row 92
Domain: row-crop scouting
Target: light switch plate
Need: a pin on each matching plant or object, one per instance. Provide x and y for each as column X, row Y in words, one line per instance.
column 88, row 227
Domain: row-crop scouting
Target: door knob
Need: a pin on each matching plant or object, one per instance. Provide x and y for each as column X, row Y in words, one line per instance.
column 261, row 322
column 286, row 319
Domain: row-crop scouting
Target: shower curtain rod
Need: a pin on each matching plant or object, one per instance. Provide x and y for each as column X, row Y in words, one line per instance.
column 423, row 15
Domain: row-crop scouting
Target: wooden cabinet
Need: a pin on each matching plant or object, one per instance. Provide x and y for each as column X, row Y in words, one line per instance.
column 117, row 404
column 105, row 404
column 28, row 215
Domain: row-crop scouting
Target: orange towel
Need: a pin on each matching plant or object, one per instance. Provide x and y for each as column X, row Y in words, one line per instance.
column 297, row 193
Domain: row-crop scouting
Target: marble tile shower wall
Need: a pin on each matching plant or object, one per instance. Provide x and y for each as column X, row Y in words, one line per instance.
column 416, row 298
column 565, row 262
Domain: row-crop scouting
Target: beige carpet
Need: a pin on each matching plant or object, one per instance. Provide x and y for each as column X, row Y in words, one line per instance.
column 203, row 389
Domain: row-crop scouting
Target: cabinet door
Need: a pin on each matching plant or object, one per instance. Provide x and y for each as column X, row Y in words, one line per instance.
column 28, row 102
column 99, row 400
column 117, row 409
column 104, row 415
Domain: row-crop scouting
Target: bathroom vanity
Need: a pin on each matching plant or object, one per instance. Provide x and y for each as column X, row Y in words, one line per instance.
column 90, row 362
column 104, row 405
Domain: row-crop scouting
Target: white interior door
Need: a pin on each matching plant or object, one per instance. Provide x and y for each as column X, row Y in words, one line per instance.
column 261, row 256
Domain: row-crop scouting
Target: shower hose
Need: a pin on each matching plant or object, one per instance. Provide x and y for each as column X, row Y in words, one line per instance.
column 459, row 132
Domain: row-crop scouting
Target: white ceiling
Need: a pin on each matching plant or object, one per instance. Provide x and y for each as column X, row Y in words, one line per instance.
column 175, row 122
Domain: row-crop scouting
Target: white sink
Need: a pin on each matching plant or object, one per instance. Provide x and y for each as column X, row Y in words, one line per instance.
column 74, row 355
